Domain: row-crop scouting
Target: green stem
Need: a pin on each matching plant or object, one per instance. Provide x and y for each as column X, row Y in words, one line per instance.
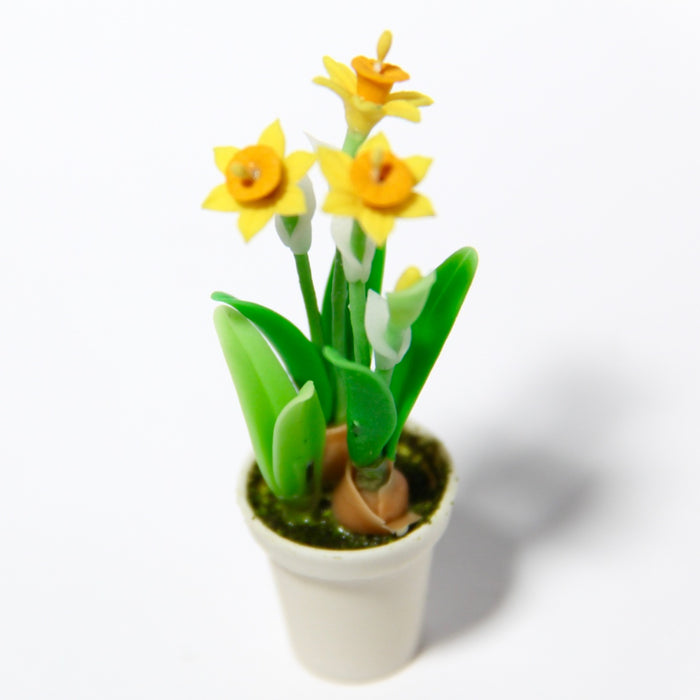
column 296, row 511
column 309, row 293
column 353, row 140
column 339, row 297
column 385, row 375
column 373, row 476
column 358, row 303
column 394, row 336
column 376, row 275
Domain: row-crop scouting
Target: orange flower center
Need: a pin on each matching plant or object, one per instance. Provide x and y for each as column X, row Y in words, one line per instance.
column 375, row 78
column 253, row 173
column 381, row 179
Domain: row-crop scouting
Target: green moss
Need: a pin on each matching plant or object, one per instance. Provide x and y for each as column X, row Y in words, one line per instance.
column 422, row 461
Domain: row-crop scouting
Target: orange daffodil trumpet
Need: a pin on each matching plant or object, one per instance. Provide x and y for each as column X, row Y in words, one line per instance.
column 375, row 187
column 367, row 92
column 260, row 181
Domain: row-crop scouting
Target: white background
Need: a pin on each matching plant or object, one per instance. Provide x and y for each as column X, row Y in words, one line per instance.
column 567, row 151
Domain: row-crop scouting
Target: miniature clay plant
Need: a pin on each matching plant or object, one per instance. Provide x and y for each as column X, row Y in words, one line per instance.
column 327, row 410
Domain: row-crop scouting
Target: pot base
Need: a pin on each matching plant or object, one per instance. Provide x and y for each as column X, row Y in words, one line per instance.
column 359, row 630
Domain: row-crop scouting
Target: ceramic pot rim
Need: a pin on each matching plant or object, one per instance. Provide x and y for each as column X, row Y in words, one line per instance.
column 344, row 565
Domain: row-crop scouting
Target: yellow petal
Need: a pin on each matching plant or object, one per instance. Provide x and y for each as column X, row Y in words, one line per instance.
column 297, row 164
column 341, row 203
column 416, row 98
column 341, row 74
column 273, row 137
column 337, row 89
column 369, row 108
column 410, row 276
column 376, row 224
column 335, row 165
column 417, row 205
column 418, row 165
column 362, row 115
column 377, row 142
column 220, row 199
column 292, row 202
column 223, row 156
column 252, row 220
column 403, row 110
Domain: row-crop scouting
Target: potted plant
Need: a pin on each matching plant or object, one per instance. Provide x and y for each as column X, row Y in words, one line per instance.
column 347, row 501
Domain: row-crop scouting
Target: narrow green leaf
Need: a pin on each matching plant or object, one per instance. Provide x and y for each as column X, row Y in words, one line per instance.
column 301, row 357
column 327, row 310
column 429, row 332
column 298, row 441
column 262, row 385
column 327, row 307
column 376, row 276
column 371, row 414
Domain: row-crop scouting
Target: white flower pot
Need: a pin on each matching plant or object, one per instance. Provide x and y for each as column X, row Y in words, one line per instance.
column 353, row 615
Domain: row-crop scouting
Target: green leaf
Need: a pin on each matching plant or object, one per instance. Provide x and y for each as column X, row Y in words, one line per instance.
column 327, row 310
column 301, row 357
column 377, row 273
column 371, row 414
column 429, row 332
column 327, row 307
column 262, row 385
column 297, row 442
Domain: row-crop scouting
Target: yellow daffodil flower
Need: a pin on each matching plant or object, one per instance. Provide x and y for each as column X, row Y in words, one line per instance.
column 260, row 181
column 375, row 187
column 366, row 93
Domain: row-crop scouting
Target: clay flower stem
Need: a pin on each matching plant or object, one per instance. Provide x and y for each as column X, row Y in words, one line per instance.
column 339, row 291
column 373, row 476
column 357, row 319
column 353, row 140
column 385, row 374
column 358, row 303
column 310, row 302
column 357, row 292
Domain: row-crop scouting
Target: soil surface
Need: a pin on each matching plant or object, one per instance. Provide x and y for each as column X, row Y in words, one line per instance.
column 421, row 459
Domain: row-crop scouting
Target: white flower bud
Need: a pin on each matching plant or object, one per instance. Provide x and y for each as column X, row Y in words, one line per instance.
column 389, row 342
column 356, row 270
column 299, row 240
column 405, row 306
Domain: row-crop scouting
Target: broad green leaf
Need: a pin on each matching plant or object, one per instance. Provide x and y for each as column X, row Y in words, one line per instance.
column 301, row 357
column 297, row 442
column 371, row 414
column 262, row 385
column 429, row 332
